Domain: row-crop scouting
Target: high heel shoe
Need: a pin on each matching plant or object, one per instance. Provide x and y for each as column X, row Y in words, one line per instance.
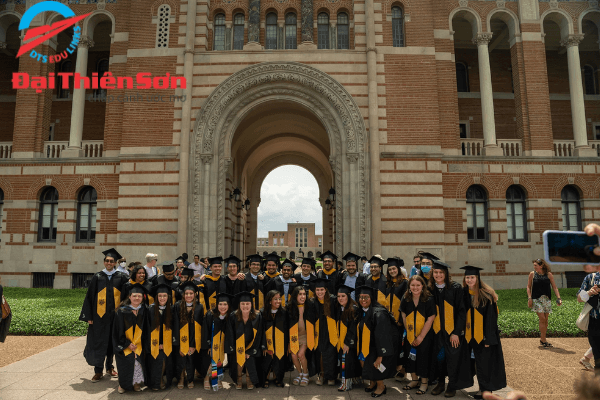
column 370, row 389
column 379, row 394
column 421, row 390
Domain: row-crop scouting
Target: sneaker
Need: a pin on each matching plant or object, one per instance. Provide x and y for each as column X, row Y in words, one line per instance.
column 111, row 372
column 96, row 377
column 586, row 364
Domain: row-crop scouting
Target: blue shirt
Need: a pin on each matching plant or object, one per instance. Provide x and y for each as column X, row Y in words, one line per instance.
column 413, row 271
column 587, row 285
column 351, row 281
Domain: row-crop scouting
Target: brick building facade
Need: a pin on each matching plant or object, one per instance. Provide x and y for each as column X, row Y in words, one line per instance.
column 461, row 127
column 299, row 240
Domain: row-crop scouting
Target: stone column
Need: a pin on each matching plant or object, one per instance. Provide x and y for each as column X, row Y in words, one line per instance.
column 281, row 35
column 78, row 107
column 333, row 34
column 253, row 26
column 490, row 147
column 354, row 200
column 228, row 35
column 307, row 26
column 205, row 203
column 582, row 149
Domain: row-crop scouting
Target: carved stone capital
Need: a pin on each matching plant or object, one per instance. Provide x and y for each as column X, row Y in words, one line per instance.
column 206, row 158
column 482, row 38
column 593, row 4
column 86, row 42
column 572, row 40
column 500, row 3
column 352, row 157
column 463, row 3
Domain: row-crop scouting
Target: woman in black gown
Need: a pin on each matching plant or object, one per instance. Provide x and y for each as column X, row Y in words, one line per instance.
column 159, row 346
column 346, row 311
column 215, row 333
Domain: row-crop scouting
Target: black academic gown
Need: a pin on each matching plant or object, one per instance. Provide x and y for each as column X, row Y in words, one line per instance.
column 416, row 317
column 333, row 277
column 308, row 283
column 394, row 299
column 346, row 329
column 277, row 337
column 232, row 287
column 381, row 285
column 256, row 288
column 155, row 357
column 246, row 339
column 4, row 322
column 268, row 279
column 309, row 320
column 174, row 284
column 450, row 320
column 279, row 285
column 212, row 288
column 146, row 284
column 325, row 352
column 101, row 300
column 360, row 279
column 129, row 328
column 378, row 325
column 481, row 330
column 185, row 337
column 215, row 335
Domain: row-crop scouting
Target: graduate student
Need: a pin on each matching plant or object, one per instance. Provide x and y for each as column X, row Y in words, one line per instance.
column 234, row 278
column 244, row 350
column 351, row 277
column 129, row 335
column 168, row 278
column 481, row 331
column 377, row 334
column 306, row 277
column 302, row 334
column 329, row 272
column 253, row 283
column 275, row 326
column 396, row 284
column 284, row 283
column 272, row 269
column 347, row 310
column 101, row 300
column 452, row 358
column 326, row 338
column 188, row 317
column 138, row 276
column 377, row 280
column 418, row 313
column 159, row 346
column 215, row 333
column 427, row 260
column 213, row 283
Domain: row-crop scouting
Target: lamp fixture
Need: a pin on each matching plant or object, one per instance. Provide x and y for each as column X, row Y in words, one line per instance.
column 236, row 194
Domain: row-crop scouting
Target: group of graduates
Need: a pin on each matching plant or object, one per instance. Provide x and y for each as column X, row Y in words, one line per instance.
column 340, row 326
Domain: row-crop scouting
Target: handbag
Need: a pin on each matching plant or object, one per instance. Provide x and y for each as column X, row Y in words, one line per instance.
column 584, row 317
column 5, row 308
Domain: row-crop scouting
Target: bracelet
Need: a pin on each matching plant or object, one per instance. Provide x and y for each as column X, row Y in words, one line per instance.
column 529, row 298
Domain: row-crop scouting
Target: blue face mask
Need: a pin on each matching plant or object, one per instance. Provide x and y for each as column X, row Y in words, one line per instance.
column 425, row 269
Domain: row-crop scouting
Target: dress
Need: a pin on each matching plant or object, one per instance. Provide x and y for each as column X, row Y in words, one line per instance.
column 418, row 359
column 541, row 294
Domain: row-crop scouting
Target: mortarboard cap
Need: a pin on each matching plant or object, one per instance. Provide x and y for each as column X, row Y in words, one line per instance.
column 254, row 258
column 244, row 296
column 471, row 270
column 377, row 259
column 428, row 256
column 308, row 261
column 272, row 257
column 112, row 253
column 368, row 290
column 187, row 272
column 351, row 257
column 167, row 267
column 328, row 254
column 162, row 288
column 288, row 262
column 215, row 261
column 437, row 264
column 179, row 258
column 224, row 297
column 345, row 289
column 188, row 285
column 395, row 262
column 137, row 288
column 232, row 260
column 185, row 256
column 321, row 282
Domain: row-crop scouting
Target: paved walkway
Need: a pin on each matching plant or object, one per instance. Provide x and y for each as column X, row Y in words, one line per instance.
column 61, row 373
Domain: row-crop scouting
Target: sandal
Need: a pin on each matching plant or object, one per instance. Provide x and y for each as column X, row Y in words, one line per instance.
column 207, row 384
column 304, row 381
column 411, row 386
column 249, row 384
column 319, row 381
column 297, row 379
column 421, row 390
column 279, row 384
column 238, row 386
column 266, row 384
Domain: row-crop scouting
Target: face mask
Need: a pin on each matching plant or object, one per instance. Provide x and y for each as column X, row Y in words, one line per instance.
column 425, row 269
column 123, row 264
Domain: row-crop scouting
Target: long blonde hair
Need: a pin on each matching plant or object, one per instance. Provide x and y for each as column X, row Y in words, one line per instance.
column 482, row 294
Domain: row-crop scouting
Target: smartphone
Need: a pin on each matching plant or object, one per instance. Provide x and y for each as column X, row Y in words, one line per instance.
column 570, row 247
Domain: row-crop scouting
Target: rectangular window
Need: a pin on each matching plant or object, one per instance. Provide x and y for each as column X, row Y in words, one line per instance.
column 464, row 132
column 238, row 37
column 290, row 36
column 515, row 221
column 219, row 37
column 596, row 131
column 43, row 280
column 476, row 221
column 271, row 40
column 80, row 280
column 323, row 36
column 49, row 221
column 343, row 34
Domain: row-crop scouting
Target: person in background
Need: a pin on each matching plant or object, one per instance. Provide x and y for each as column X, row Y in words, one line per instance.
column 4, row 319
column 168, row 278
column 131, row 266
column 138, row 276
column 366, row 266
column 122, row 266
column 306, row 276
column 585, row 360
column 185, row 259
column 151, row 269
column 539, row 295
column 198, row 267
column 416, row 267
column 340, row 266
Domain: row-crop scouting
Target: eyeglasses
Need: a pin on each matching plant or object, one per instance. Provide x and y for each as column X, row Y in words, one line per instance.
column 427, row 263
column 109, row 261
column 364, row 297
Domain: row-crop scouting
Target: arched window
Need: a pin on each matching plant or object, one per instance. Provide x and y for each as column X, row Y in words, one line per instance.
column 516, row 214
column 271, row 32
column 238, row 31
column 86, row 215
column 462, row 77
column 292, row 255
column 283, row 254
column 291, row 28
column 219, row 32
column 477, row 224
column 318, row 254
column 397, row 27
column 590, row 83
column 48, row 215
column 343, row 31
column 101, row 68
column 323, row 31
column 571, row 211
column 310, row 254
column 66, row 66
column 162, row 33
column 265, row 253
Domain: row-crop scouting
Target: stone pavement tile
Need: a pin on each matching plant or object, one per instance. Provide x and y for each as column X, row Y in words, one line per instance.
column 551, row 397
column 22, row 394
column 74, row 395
column 324, row 396
column 40, row 381
column 32, row 364
column 82, row 382
column 8, row 378
column 60, row 353
column 79, row 365
column 544, row 382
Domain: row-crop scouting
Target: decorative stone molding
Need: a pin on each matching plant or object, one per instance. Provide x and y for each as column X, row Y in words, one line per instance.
column 253, row 20
column 48, row 181
column 101, row 5
column 500, row 3
column 86, row 42
column 463, row 3
column 3, row 45
column 307, row 20
column 482, row 39
column 477, row 180
column 206, row 158
column 86, row 181
column 352, row 157
column 571, row 180
column 593, row 4
column 553, row 4
column 515, row 180
column 374, row 49
column 572, row 40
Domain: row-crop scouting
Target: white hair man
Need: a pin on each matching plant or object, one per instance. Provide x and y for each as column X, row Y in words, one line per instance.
column 150, row 267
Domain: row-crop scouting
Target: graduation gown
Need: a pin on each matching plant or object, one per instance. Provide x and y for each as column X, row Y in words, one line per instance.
column 450, row 320
column 268, row 279
column 101, row 300
column 360, row 280
column 308, row 283
column 309, row 318
column 326, row 338
column 346, row 330
column 212, row 287
column 482, row 329
column 246, row 338
column 4, row 322
column 146, row 284
column 175, row 294
column 333, row 277
column 256, row 288
column 232, row 287
column 129, row 328
column 277, row 337
column 381, row 285
column 185, row 337
column 159, row 335
column 415, row 321
column 279, row 285
column 394, row 299
column 377, row 334
column 215, row 333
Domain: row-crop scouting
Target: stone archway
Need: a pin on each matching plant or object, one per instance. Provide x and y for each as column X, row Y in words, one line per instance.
column 232, row 101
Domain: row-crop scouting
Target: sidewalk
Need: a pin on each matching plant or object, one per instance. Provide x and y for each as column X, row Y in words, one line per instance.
column 61, row 373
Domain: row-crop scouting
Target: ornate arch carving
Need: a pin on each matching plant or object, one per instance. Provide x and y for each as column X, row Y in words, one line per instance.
column 478, row 179
column 523, row 181
column 6, row 187
column 571, row 179
column 33, row 193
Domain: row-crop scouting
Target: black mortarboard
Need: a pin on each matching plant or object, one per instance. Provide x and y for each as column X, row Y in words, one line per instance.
column 232, row 260
column 162, row 288
column 428, row 256
column 376, row 259
column 137, row 288
column 308, row 261
column 368, row 290
column 167, row 267
column 321, row 282
column 272, row 257
column 345, row 289
column 244, row 296
column 395, row 262
column 112, row 253
column 254, row 258
column 471, row 270
column 187, row 272
column 288, row 262
column 224, row 297
column 179, row 258
column 215, row 260
column 188, row 285
column 185, row 256
column 328, row 254
column 351, row 257
column 437, row 264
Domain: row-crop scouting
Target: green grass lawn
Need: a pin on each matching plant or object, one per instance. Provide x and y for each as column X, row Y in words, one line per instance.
column 55, row 312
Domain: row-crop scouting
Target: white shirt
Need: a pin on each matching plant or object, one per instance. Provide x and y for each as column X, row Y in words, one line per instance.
column 150, row 272
column 403, row 270
column 367, row 268
column 198, row 269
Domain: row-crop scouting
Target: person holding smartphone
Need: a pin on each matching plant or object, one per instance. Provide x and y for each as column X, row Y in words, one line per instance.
column 539, row 293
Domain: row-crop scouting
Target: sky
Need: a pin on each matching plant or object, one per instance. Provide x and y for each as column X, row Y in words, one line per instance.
column 289, row 194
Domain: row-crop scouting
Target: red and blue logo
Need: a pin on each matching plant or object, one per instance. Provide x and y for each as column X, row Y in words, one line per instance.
column 36, row 36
